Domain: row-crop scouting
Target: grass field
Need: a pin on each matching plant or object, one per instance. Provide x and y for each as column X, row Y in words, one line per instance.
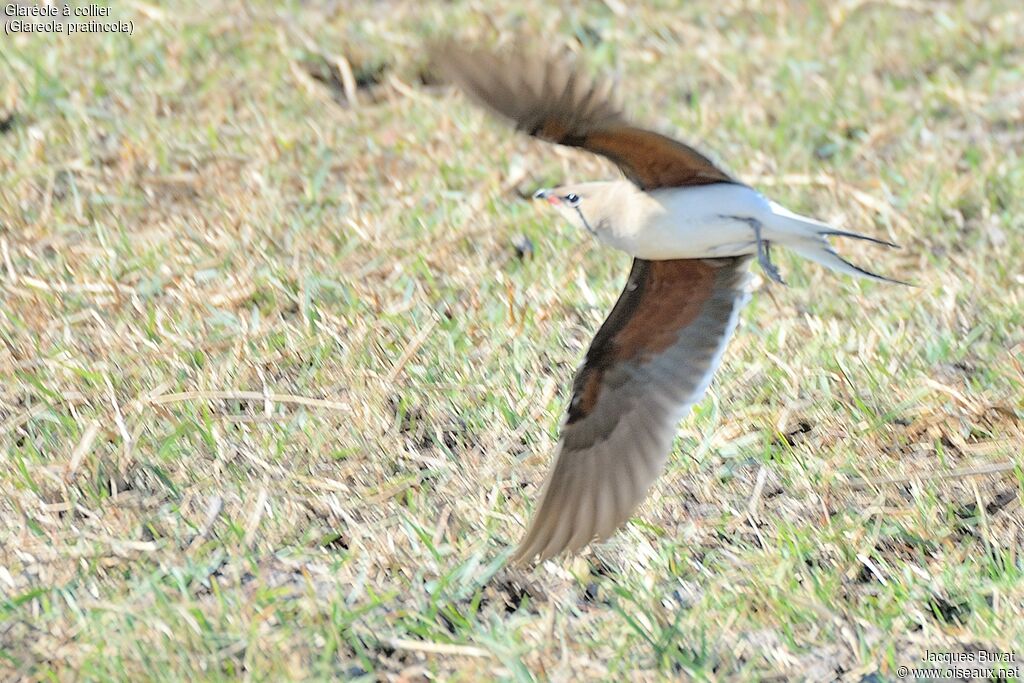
column 277, row 390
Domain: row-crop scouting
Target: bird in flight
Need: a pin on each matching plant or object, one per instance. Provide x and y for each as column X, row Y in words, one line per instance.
column 692, row 230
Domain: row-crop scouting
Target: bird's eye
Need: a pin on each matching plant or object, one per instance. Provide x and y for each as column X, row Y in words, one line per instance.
column 572, row 198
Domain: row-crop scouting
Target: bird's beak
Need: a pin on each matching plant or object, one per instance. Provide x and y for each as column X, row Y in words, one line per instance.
column 546, row 194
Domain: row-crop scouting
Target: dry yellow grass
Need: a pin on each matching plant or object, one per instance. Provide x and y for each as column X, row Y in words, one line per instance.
column 276, row 391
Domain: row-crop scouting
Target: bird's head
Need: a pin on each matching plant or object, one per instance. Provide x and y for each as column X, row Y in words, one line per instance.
column 567, row 196
column 577, row 202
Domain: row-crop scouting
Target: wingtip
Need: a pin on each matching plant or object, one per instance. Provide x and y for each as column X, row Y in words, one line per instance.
column 529, row 547
column 543, row 542
column 526, row 556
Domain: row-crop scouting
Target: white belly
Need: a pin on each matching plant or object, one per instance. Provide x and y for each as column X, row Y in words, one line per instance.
column 693, row 222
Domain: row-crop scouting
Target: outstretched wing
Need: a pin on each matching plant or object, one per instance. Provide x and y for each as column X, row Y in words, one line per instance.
column 550, row 98
column 652, row 359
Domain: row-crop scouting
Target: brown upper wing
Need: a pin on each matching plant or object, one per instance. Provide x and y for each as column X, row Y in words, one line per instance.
column 652, row 359
column 550, row 98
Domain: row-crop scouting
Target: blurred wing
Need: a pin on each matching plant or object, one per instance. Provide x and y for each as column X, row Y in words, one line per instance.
column 550, row 98
column 652, row 359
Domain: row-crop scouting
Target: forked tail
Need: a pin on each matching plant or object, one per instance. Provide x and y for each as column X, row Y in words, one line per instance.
column 809, row 238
